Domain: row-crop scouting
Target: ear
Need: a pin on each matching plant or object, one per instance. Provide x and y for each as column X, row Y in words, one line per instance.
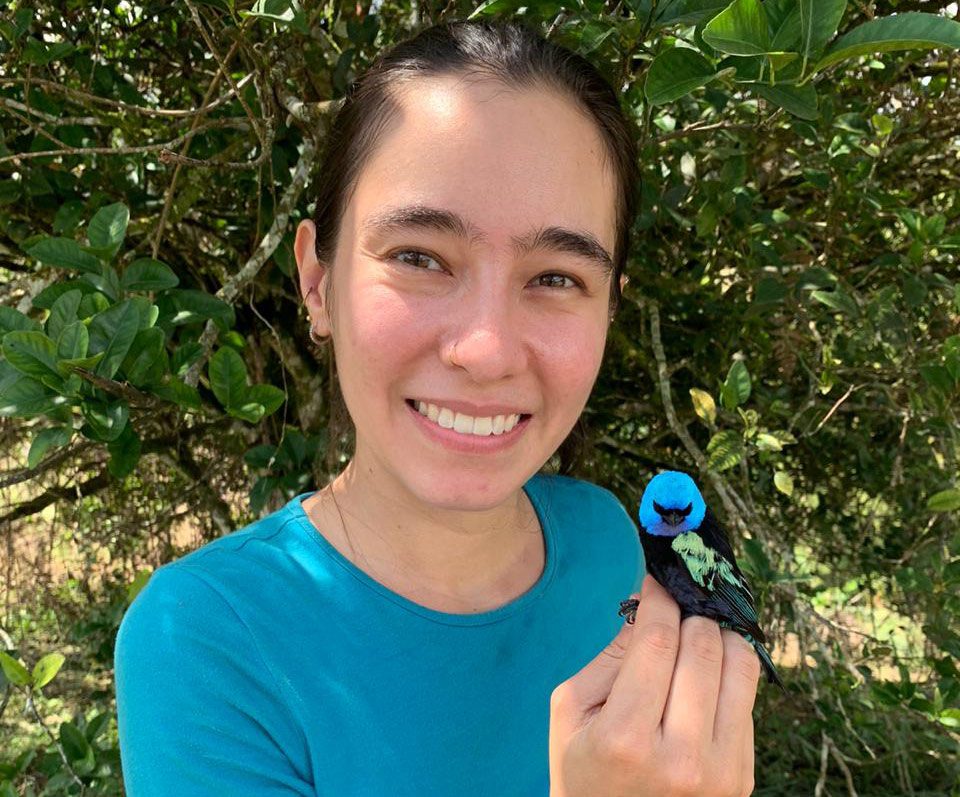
column 313, row 276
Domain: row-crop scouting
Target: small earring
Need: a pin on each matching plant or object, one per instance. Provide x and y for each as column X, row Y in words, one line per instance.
column 318, row 340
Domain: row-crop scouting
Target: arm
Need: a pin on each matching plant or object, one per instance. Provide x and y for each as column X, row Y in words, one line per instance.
column 199, row 711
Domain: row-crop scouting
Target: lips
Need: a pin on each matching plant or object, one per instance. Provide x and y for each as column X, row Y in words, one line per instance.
column 479, row 425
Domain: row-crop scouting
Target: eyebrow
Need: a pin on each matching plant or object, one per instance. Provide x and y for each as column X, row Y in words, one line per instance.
column 556, row 239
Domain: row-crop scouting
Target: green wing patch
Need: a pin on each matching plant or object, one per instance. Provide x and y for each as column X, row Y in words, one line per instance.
column 713, row 572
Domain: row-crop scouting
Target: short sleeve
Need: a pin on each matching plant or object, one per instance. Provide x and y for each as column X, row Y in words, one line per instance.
column 198, row 709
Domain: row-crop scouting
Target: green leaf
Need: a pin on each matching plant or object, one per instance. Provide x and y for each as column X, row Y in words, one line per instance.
column 768, row 442
column 179, row 393
column 46, row 439
column 113, row 332
column 105, row 422
column 15, row 672
column 228, row 378
column 194, row 305
column 108, row 226
column 703, row 405
column 270, row 397
column 950, row 717
column 839, row 300
column 945, row 500
column 143, row 363
column 674, row 73
column 65, row 367
column 63, row 312
column 740, row 29
column 251, row 412
column 45, row 299
column 124, row 453
column 783, row 481
column 107, row 282
column 31, row 353
column 736, row 387
column 64, row 253
column 275, row 10
column 23, row 397
column 819, row 20
column 76, row 748
column 72, row 344
column 799, row 100
column 147, row 274
column 905, row 31
column 724, row 450
column 13, row 321
column 46, row 669
column 68, row 217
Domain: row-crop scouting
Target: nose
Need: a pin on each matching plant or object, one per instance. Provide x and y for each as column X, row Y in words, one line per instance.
column 486, row 336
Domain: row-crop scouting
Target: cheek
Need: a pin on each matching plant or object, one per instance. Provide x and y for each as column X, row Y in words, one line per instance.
column 571, row 352
column 380, row 329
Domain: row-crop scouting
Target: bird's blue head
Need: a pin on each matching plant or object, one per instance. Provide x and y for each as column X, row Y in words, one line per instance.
column 671, row 505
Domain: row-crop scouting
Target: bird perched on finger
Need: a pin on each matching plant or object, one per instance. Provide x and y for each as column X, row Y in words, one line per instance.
column 688, row 553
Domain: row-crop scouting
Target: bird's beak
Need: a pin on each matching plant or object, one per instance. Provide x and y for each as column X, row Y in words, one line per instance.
column 673, row 518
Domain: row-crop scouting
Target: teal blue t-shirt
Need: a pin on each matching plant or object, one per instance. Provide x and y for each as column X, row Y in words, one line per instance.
column 265, row 663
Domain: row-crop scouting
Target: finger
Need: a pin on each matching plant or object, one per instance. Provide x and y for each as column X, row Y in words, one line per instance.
column 738, row 691
column 590, row 687
column 692, row 703
column 639, row 692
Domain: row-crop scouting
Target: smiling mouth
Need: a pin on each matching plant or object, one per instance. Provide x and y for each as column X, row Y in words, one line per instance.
column 467, row 424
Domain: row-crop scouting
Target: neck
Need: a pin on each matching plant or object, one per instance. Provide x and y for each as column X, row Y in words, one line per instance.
column 439, row 557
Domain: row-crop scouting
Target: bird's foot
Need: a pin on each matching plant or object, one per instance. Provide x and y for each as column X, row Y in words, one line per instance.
column 628, row 609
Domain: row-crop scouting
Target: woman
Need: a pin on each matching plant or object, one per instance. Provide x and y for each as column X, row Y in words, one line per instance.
column 421, row 625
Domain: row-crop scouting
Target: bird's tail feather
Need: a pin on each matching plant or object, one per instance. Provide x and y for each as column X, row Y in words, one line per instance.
column 773, row 677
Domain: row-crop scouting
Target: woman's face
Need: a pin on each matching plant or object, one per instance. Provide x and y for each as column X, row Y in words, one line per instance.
column 472, row 272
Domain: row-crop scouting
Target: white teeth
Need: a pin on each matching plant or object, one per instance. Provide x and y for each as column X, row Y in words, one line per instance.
column 467, row 424
column 445, row 419
column 482, row 426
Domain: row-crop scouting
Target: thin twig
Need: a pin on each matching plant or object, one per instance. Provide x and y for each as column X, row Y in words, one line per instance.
column 229, row 291
column 83, row 97
column 137, row 150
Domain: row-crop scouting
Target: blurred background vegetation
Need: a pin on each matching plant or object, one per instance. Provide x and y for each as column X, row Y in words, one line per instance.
column 789, row 333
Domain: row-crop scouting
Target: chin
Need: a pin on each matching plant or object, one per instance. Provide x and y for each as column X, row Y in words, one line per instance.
column 467, row 492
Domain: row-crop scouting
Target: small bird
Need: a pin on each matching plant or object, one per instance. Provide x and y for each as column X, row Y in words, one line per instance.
column 688, row 553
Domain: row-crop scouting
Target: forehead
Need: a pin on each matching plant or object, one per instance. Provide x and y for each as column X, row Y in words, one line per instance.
column 502, row 158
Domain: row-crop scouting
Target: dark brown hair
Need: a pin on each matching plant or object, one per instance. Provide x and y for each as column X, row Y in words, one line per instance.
column 506, row 51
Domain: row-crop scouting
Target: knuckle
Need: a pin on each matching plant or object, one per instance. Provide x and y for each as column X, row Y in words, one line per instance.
column 747, row 664
column 743, row 658
column 622, row 750
column 660, row 637
column 689, row 779
column 703, row 638
column 558, row 698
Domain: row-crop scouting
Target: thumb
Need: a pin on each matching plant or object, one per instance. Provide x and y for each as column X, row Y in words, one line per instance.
column 590, row 687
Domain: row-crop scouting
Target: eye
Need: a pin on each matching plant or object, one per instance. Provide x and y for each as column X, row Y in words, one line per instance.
column 555, row 280
column 416, row 256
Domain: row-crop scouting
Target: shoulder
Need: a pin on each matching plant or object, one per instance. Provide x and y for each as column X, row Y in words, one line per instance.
column 565, row 495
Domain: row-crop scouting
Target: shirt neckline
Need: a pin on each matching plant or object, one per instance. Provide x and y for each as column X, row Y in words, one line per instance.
column 533, row 490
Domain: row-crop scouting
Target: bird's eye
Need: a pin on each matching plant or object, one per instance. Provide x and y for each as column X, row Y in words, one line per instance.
column 688, row 509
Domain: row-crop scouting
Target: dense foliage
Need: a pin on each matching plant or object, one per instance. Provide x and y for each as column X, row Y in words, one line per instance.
column 789, row 332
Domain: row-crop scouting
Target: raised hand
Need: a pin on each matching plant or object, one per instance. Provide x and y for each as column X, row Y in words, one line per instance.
column 664, row 710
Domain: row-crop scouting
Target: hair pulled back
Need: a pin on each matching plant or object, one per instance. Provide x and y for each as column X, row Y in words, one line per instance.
column 517, row 56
